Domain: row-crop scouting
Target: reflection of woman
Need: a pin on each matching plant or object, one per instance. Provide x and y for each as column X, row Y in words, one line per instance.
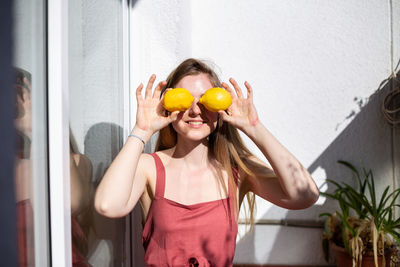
column 23, row 169
column 191, row 189
column 81, row 174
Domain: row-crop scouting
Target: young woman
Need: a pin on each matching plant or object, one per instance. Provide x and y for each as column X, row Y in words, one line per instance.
column 191, row 189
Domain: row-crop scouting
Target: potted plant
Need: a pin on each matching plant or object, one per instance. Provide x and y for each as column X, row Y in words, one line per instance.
column 363, row 229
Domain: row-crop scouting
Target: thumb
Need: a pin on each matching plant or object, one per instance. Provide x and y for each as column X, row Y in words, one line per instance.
column 224, row 116
column 173, row 116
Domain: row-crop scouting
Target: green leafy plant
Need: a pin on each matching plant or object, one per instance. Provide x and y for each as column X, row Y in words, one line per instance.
column 362, row 223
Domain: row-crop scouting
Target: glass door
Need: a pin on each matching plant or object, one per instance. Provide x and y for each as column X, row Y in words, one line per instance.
column 31, row 176
column 72, row 114
column 96, row 126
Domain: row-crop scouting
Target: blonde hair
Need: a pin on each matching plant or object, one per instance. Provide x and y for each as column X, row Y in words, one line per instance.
column 226, row 147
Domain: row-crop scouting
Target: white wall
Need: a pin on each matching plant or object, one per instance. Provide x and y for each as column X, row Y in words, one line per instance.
column 307, row 62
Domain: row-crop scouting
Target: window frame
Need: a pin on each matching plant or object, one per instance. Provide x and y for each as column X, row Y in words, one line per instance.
column 58, row 134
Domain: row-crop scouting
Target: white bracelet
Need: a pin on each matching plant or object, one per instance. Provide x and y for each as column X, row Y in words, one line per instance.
column 138, row 137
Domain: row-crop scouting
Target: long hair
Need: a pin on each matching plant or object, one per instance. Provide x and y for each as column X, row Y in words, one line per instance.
column 226, row 148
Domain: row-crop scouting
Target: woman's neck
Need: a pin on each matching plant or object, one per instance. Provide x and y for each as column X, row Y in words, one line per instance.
column 193, row 154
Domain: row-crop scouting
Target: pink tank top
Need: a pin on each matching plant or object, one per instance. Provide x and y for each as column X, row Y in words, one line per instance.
column 175, row 234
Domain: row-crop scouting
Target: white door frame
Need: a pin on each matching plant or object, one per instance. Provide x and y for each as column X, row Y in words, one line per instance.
column 58, row 127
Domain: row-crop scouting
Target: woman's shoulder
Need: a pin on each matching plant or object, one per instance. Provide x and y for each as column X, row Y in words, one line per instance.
column 165, row 154
column 146, row 160
column 81, row 159
column 83, row 164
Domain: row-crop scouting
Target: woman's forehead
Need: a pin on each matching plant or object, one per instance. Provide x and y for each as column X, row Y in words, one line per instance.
column 196, row 84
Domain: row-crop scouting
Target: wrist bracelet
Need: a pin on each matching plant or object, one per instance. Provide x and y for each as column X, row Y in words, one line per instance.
column 138, row 137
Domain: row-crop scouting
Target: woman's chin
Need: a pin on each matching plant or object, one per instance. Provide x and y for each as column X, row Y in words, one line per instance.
column 195, row 136
column 195, row 133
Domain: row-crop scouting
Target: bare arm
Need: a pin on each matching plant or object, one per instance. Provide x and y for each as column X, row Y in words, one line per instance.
column 125, row 180
column 289, row 184
column 81, row 174
column 292, row 187
column 122, row 184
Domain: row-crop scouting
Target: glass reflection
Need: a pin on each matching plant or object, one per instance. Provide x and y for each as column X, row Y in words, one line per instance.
column 81, row 208
column 23, row 168
column 96, row 115
column 31, row 177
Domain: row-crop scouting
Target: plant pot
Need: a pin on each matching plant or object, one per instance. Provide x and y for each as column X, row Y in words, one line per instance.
column 343, row 259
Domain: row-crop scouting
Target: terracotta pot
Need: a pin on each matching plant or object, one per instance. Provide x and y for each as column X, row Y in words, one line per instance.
column 343, row 259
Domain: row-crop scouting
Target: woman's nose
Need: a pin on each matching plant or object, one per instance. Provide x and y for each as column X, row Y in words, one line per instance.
column 195, row 108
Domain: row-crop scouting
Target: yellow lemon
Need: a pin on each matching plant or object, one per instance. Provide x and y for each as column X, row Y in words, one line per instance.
column 216, row 99
column 177, row 99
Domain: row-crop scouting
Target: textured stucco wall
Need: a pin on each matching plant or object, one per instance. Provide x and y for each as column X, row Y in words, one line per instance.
column 310, row 63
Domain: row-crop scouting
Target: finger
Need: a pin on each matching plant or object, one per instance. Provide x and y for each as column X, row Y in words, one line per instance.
column 173, row 116
column 163, row 95
column 150, row 86
column 139, row 92
column 27, row 83
column 224, row 116
column 249, row 91
column 158, row 89
column 229, row 89
column 237, row 88
column 18, row 88
column 160, row 108
column 23, row 91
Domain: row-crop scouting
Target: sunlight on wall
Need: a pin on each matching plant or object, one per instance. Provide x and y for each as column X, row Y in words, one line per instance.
column 319, row 176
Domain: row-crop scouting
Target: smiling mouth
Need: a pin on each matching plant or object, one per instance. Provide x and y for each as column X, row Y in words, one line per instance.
column 195, row 122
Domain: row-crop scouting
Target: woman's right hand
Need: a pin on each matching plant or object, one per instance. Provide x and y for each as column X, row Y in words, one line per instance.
column 23, row 122
column 150, row 115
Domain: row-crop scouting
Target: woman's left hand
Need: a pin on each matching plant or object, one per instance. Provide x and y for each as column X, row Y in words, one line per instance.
column 242, row 113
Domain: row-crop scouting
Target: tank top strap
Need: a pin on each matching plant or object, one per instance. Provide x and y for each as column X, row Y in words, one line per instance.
column 160, row 178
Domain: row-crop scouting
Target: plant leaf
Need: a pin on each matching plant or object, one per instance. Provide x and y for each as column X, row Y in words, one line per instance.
column 325, row 248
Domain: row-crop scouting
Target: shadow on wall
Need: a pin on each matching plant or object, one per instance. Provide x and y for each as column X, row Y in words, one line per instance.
column 102, row 143
column 366, row 141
